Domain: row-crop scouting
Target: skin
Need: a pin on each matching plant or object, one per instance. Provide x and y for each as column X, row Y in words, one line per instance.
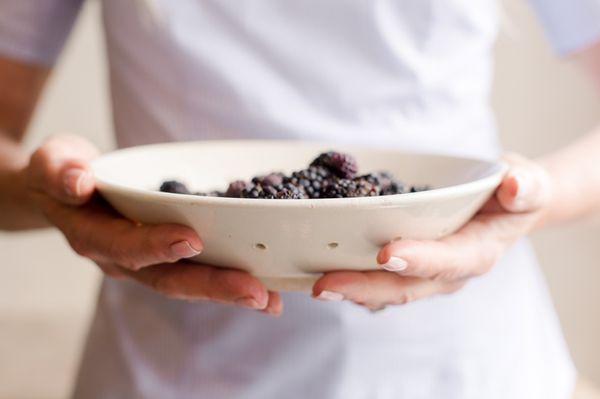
column 54, row 187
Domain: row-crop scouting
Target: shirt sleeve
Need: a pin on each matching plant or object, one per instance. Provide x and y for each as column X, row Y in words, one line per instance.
column 570, row 25
column 35, row 30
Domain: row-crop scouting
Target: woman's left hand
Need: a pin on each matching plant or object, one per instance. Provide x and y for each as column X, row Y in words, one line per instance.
column 413, row 270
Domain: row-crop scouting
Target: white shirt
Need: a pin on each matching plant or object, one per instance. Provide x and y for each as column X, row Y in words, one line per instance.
column 413, row 74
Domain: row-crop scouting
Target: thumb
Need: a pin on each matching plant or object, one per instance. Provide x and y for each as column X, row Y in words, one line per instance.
column 60, row 168
column 525, row 187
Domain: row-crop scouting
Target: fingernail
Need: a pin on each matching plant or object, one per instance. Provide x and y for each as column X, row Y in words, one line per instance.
column 395, row 264
column 330, row 296
column 523, row 190
column 72, row 180
column 183, row 249
column 250, row 303
column 523, row 186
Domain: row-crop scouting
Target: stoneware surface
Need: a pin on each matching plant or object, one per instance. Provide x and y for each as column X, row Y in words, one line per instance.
column 288, row 243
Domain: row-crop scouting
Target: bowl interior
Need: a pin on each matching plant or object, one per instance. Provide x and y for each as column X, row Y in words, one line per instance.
column 205, row 166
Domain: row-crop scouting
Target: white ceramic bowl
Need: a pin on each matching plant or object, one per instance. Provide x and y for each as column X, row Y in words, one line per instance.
column 288, row 243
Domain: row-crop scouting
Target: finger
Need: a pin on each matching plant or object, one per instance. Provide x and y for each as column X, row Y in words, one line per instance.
column 275, row 304
column 199, row 282
column 112, row 270
column 375, row 289
column 424, row 259
column 470, row 252
column 525, row 186
column 60, row 168
column 96, row 233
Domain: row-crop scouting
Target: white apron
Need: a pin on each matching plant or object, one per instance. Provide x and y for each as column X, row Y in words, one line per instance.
column 413, row 74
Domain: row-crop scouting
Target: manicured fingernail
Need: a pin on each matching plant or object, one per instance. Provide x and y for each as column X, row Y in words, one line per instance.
column 250, row 303
column 395, row 264
column 523, row 190
column 523, row 186
column 330, row 296
column 183, row 249
column 72, row 180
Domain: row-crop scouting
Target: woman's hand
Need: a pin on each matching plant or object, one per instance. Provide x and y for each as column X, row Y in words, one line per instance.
column 61, row 184
column 414, row 270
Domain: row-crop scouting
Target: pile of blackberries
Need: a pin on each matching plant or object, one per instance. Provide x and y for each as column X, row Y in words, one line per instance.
column 330, row 175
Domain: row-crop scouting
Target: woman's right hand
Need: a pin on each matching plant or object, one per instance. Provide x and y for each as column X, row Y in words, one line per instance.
column 62, row 185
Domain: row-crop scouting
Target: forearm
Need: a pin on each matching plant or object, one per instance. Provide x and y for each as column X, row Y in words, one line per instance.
column 16, row 210
column 575, row 174
column 21, row 85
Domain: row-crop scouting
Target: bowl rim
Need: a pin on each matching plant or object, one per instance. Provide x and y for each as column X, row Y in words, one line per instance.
column 497, row 170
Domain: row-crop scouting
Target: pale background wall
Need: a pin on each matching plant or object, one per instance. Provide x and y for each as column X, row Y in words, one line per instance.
column 47, row 293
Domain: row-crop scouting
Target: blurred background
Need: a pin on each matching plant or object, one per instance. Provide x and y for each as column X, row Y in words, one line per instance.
column 47, row 293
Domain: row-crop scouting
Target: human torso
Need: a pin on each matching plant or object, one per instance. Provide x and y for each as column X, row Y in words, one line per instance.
column 402, row 73
column 412, row 74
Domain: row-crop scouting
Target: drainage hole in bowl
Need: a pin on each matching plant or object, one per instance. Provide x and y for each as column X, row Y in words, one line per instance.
column 261, row 246
column 333, row 245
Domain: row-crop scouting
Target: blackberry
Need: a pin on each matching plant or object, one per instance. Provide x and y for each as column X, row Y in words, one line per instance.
column 346, row 188
column 385, row 179
column 416, row 189
column 312, row 180
column 235, row 189
column 272, row 179
column 363, row 188
column 395, row 187
column 173, row 186
column 281, row 191
column 371, row 178
column 252, row 191
column 269, row 192
column 342, row 165
column 289, row 191
column 385, row 182
column 337, row 188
